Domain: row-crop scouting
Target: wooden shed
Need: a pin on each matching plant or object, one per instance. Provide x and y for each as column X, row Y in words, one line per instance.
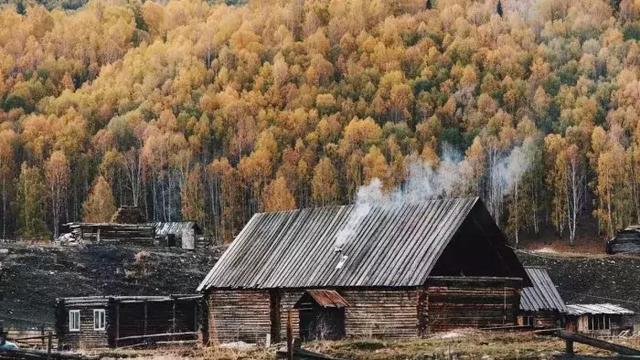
column 599, row 319
column 541, row 305
column 113, row 321
column 184, row 234
column 180, row 234
column 139, row 234
column 395, row 271
column 626, row 241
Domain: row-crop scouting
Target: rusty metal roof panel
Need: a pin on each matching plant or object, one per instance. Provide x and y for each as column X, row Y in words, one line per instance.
column 543, row 295
column 390, row 246
column 595, row 309
column 328, row 298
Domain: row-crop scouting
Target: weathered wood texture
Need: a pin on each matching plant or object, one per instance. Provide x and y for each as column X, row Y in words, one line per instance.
column 372, row 313
column 381, row 313
column 471, row 304
column 288, row 299
column 601, row 344
column 617, row 324
column 541, row 319
column 130, row 233
column 239, row 315
column 31, row 338
column 128, row 322
column 246, row 315
column 87, row 337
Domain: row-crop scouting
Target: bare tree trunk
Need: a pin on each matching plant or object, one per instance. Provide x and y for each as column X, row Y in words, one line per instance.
column 4, row 208
column 517, row 215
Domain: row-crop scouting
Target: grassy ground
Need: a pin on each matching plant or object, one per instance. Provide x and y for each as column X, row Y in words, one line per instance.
column 463, row 344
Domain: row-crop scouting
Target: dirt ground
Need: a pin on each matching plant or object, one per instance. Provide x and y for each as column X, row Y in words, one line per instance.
column 33, row 276
column 583, row 278
column 460, row 344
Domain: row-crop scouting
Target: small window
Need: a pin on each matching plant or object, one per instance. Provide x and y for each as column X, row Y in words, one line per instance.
column 98, row 319
column 74, row 320
column 528, row 320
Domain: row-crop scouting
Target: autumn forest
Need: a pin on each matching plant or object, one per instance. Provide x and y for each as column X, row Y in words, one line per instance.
column 213, row 111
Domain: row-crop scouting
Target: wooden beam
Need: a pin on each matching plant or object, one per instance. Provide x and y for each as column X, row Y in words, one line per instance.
column 151, row 336
column 173, row 315
column 289, row 336
column 196, row 320
column 601, row 344
column 117, row 307
column 568, row 347
column 145, row 318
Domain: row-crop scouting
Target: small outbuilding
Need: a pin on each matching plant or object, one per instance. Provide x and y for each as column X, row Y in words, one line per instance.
column 138, row 234
column 114, row 321
column 181, row 234
column 626, row 241
column 184, row 234
column 599, row 319
column 541, row 305
column 361, row 271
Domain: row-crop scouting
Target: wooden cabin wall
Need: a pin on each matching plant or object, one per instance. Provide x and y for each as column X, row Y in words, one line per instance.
column 546, row 319
column 87, row 337
column 134, row 234
column 475, row 305
column 618, row 324
column 186, row 316
column 542, row 319
column 380, row 313
column 288, row 299
column 373, row 313
column 239, row 315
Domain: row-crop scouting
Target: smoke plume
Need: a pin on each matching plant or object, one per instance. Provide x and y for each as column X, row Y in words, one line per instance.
column 453, row 177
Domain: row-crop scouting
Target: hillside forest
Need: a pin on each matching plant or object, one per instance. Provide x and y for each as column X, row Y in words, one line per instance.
column 214, row 111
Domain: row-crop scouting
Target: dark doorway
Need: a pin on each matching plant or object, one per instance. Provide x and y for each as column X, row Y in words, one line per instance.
column 171, row 240
column 322, row 314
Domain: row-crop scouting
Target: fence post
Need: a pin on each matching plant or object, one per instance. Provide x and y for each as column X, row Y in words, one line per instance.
column 42, row 334
column 49, row 344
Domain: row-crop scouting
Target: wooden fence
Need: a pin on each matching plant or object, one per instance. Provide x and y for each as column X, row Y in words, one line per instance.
column 44, row 339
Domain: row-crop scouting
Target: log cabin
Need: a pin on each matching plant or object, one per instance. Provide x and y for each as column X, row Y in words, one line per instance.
column 388, row 271
column 541, row 305
column 599, row 319
column 114, row 321
column 177, row 234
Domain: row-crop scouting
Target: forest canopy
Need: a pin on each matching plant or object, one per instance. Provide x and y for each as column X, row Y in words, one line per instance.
column 213, row 112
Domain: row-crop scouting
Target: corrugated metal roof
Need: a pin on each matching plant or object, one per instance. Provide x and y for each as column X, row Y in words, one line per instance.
column 97, row 300
column 607, row 309
column 328, row 298
column 174, row 228
column 394, row 245
column 543, row 295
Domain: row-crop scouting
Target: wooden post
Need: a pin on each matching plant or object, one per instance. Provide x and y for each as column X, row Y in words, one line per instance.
column 117, row 308
column 196, row 320
column 49, row 344
column 42, row 334
column 145, row 319
column 173, row 316
column 568, row 347
column 289, row 336
column 573, row 337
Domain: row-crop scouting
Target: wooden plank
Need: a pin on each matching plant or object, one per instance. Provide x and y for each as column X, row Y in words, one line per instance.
column 601, row 344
